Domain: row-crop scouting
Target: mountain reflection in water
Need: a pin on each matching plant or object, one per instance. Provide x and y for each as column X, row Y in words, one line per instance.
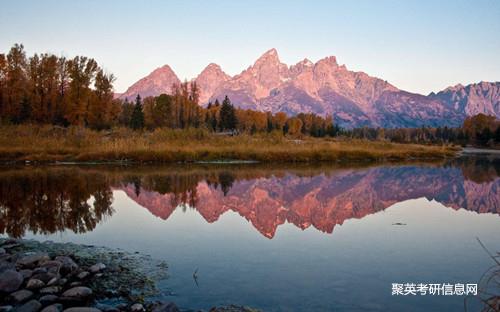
column 53, row 199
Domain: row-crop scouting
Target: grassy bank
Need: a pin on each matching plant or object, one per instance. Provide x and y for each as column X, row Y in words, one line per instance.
column 47, row 144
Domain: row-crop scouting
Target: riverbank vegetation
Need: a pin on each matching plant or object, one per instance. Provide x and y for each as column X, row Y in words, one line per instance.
column 49, row 143
column 480, row 130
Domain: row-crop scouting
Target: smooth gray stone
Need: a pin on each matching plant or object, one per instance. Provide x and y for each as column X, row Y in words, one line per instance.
column 53, row 308
column 21, row 295
column 97, row 268
column 10, row 281
column 31, row 260
column 34, row 283
column 48, row 299
column 79, row 292
column 30, row 306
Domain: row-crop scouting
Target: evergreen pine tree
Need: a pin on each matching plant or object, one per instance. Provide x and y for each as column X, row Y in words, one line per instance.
column 228, row 119
column 137, row 120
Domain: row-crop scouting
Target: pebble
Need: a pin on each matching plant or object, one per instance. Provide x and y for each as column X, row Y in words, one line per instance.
column 68, row 265
column 52, row 266
column 39, row 271
column 53, row 281
column 44, row 277
column 35, row 284
column 97, row 268
column 48, row 299
column 79, row 292
column 30, row 261
column 53, row 308
column 21, row 295
column 137, row 307
column 30, row 306
column 83, row 275
column 10, row 281
column 50, row 290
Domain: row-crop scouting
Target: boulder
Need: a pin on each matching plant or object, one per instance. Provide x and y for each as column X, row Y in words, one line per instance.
column 68, row 265
column 53, row 308
column 50, row 290
column 39, row 271
column 21, row 295
column 10, row 281
column 48, row 299
column 30, row 261
column 52, row 266
column 44, row 277
column 34, row 283
column 79, row 292
column 30, row 306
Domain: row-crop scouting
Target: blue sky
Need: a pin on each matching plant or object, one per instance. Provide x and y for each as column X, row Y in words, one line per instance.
column 419, row 46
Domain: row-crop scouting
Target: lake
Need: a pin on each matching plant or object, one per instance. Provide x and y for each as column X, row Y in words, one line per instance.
column 276, row 237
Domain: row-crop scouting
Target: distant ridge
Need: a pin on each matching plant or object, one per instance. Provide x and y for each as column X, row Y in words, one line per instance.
column 354, row 99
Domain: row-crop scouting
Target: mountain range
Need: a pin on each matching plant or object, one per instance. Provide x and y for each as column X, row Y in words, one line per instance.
column 326, row 200
column 354, row 99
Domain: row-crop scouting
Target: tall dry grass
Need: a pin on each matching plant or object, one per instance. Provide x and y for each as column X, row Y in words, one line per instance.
column 47, row 143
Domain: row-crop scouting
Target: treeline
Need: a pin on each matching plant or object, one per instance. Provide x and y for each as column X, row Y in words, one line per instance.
column 181, row 110
column 479, row 130
column 48, row 89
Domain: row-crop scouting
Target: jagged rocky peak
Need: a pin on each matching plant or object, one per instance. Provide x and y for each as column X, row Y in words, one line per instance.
column 157, row 82
column 209, row 80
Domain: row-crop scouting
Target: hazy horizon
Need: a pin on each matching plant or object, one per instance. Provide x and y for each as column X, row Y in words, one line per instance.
column 417, row 46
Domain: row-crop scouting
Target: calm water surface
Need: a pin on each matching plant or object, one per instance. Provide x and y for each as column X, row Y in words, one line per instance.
column 276, row 238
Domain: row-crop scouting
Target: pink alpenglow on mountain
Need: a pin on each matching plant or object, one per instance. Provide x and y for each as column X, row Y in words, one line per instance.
column 157, row 82
column 354, row 99
column 209, row 80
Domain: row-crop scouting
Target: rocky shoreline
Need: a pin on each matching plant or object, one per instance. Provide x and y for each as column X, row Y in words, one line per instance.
column 55, row 277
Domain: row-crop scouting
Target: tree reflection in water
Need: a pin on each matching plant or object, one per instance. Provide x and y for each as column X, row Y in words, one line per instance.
column 45, row 200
